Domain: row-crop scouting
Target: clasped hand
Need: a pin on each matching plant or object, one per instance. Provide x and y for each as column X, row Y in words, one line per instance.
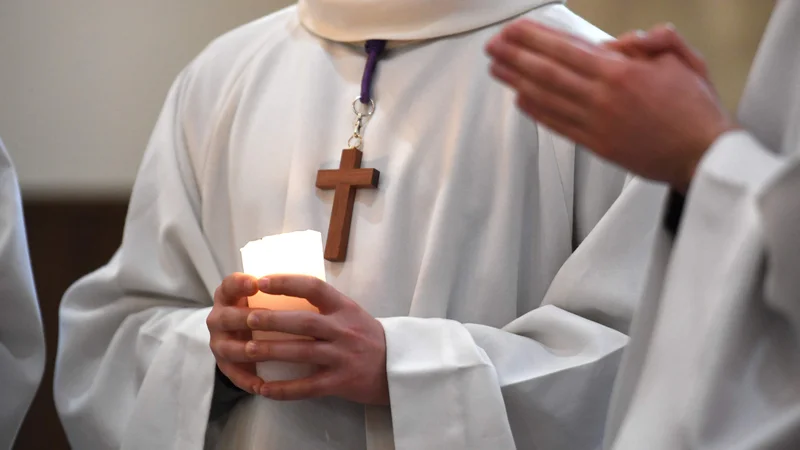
column 643, row 102
column 347, row 343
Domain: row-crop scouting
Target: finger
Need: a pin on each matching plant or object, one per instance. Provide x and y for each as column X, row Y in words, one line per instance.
column 230, row 350
column 229, row 318
column 549, row 98
column 319, row 353
column 317, row 292
column 302, row 351
column 318, row 385
column 234, row 287
column 538, row 69
column 666, row 36
column 556, row 122
column 629, row 44
column 576, row 54
column 241, row 377
column 660, row 39
column 301, row 323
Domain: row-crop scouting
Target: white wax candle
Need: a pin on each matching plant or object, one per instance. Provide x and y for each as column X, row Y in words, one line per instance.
column 296, row 253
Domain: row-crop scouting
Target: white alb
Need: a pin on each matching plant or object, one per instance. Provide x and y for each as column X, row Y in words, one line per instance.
column 714, row 359
column 22, row 350
column 491, row 342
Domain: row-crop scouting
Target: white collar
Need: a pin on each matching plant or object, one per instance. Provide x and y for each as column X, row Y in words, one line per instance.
column 406, row 20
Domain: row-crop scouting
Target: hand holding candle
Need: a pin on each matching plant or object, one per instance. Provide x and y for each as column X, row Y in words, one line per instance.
column 229, row 332
column 349, row 346
column 297, row 253
column 289, row 253
column 295, row 320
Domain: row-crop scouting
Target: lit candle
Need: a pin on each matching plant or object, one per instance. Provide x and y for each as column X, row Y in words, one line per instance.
column 296, row 253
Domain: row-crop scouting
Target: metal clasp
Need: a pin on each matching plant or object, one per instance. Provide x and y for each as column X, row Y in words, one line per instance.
column 363, row 113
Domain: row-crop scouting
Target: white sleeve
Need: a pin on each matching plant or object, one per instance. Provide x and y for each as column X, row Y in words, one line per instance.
column 779, row 208
column 736, row 160
column 544, row 380
column 727, row 311
column 134, row 369
column 22, row 348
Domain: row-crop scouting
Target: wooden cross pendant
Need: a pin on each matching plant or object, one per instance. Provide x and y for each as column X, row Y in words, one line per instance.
column 345, row 181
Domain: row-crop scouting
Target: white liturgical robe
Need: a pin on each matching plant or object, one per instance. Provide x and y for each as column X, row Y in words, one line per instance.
column 459, row 252
column 714, row 359
column 22, row 351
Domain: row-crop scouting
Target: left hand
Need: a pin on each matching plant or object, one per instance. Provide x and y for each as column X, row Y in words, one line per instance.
column 349, row 344
column 655, row 117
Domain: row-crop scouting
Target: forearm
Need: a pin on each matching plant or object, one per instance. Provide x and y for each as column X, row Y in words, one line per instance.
column 126, row 362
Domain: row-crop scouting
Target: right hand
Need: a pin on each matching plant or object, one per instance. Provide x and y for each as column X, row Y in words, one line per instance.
column 230, row 333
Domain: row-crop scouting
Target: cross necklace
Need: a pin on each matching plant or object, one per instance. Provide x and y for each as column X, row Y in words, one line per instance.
column 346, row 180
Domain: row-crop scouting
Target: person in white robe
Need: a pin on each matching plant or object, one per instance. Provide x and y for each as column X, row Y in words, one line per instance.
column 482, row 338
column 714, row 356
column 22, row 348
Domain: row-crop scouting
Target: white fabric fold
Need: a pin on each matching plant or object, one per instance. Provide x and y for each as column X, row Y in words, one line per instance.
column 134, row 368
column 542, row 381
column 684, row 366
column 22, row 347
column 475, row 221
column 715, row 353
column 406, row 20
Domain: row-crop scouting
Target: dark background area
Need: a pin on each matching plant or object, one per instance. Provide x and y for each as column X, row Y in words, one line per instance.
column 67, row 240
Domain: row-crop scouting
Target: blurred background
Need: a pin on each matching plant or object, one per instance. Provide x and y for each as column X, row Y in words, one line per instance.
column 82, row 81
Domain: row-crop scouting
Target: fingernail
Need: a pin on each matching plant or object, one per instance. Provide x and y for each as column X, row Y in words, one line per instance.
column 256, row 390
column 264, row 391
column 263, row 284
column 641, row 34
column 250, row 348
column 670, row 26
column 247, row 284
column 252, row 320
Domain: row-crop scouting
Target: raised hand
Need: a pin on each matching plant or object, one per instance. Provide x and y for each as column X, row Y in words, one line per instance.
column 349, row 344
column 654, row 116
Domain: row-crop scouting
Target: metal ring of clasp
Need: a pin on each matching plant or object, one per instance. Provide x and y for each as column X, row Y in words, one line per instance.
column 370, row 107
column 355, row 142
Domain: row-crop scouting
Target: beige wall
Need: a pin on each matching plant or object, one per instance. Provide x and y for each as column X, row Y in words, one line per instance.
column 81, row 81
column 727, row 32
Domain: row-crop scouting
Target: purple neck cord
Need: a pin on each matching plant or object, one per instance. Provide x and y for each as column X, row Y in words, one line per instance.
column 374, row 49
